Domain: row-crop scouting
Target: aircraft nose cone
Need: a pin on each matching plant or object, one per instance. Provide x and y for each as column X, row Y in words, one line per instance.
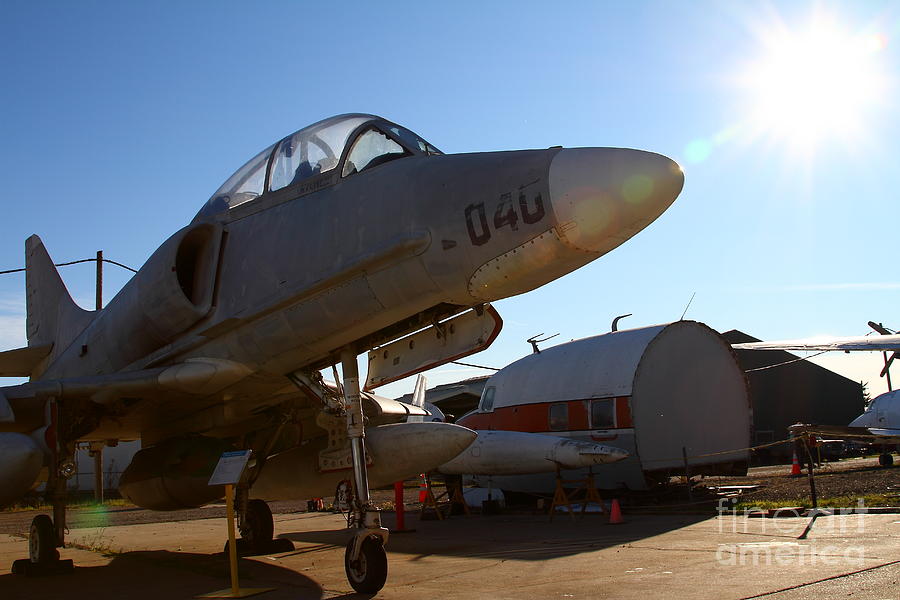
column 603, row 196
column 617, row 454
column 864, row 420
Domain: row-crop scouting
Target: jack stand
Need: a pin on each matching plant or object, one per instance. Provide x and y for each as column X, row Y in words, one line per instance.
column 590, row 493
column 456, row 496
column 490, row 506
column 560, row 498
column 430, row 502
column 586, row 485
column 365, row 560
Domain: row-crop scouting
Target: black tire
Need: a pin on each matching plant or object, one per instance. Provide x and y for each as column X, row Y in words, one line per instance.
column 258, row 527
column 42, row 540
column 368, row 574
column 886, row 460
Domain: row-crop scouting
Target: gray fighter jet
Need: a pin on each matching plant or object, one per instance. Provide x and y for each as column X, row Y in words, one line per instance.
column 351, row 235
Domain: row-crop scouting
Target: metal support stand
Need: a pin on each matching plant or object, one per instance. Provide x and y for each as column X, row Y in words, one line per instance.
column 586, row 485
column 430, row 502
column 400, row 510
column 560, row 497
column 457, row 498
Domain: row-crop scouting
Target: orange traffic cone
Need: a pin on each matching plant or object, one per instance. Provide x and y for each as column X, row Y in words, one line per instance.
column 795, row 466
column 615, row 513
column 423, row 488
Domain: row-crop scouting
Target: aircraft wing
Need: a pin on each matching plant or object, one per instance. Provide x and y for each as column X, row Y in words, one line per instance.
column 880, row 343
column 199, row 376
column 863, row 434
column 196, row 377
column 22, row 361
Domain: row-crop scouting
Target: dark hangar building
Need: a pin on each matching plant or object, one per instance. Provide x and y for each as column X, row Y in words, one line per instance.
column 796, row 392
column 454, row 398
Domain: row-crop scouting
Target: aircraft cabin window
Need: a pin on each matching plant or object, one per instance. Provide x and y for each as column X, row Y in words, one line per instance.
column 559, row 416
column 603, row 413
column 300, row 158
column 245, row 185
column 371, row 149
column 412, row 140
column 311, row 151
column 487, row 400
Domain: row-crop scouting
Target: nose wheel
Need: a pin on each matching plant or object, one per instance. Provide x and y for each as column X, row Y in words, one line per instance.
column 257, row 527
column 368, row 573
column 42, row 541
column 886, row 460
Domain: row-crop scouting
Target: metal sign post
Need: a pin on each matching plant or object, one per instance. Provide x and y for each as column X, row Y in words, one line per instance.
column 229, row 471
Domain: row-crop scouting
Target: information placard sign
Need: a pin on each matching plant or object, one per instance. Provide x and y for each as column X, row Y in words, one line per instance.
column 230, row 468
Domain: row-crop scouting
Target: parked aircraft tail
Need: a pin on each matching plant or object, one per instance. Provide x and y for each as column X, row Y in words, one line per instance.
column 53, row 318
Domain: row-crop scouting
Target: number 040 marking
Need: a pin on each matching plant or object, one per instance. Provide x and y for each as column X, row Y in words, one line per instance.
column 505, row 215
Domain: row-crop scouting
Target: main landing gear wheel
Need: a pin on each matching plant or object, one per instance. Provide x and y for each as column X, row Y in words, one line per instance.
column 368, row 573
column 257, row 527
column 42, row 541
column 886, row 460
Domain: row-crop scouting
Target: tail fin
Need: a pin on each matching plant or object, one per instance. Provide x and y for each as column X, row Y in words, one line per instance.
column 418, row 398
column 52, row 315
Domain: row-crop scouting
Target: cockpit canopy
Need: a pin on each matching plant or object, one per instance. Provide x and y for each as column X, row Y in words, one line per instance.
column 353, row 142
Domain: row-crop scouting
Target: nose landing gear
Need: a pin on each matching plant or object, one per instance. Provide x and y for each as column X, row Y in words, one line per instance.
column 365, row 561
column 42, row 541
column 45, row 534
column 256, row 526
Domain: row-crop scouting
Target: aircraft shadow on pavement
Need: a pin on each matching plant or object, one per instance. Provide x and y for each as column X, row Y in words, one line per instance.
column 152, row 575
column 514, row 537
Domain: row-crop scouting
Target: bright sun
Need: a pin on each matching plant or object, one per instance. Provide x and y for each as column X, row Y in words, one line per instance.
column 814, row 86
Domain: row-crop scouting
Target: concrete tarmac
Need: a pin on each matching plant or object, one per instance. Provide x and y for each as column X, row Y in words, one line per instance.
column 499, row 557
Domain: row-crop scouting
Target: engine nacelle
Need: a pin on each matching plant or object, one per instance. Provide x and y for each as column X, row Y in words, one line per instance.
column 171, row 292
column 21, row 459
column 174, row 474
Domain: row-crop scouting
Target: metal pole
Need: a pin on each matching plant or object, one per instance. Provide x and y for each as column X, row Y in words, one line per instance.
column 887, row 371
column 399, row 509
column 812, row 481
column 98, row 453
column 232, row 540
column 99, row 279
column 687, row 474
column 98, row 475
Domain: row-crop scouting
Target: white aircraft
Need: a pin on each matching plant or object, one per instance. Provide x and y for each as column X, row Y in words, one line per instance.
column 880, row 423
column 515, row 452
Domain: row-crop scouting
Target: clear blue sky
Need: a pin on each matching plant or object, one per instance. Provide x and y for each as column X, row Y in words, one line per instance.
column 118, row 120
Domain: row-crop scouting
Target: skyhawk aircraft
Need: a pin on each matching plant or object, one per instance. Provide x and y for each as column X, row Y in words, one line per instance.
column 352, row 235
